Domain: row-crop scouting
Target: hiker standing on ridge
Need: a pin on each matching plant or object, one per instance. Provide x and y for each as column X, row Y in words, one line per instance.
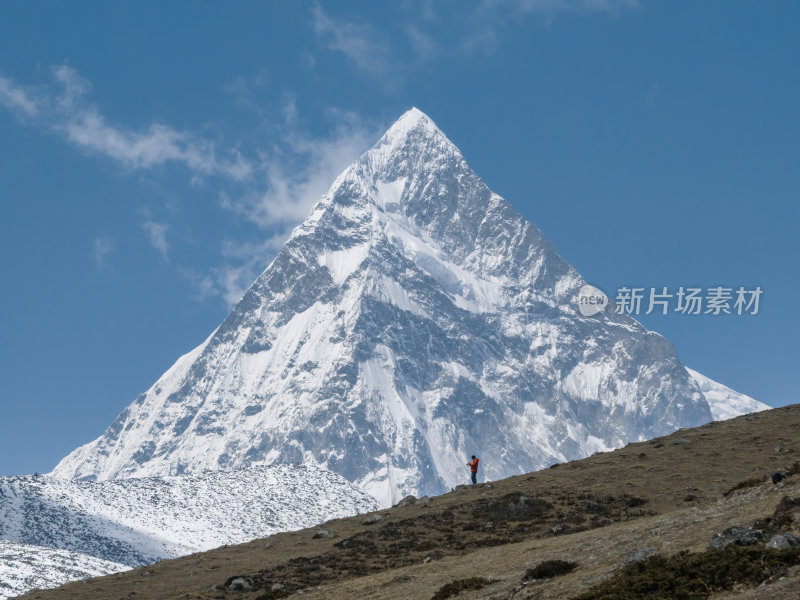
column 473, row 466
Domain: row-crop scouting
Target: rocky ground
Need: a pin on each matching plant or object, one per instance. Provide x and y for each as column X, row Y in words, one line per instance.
column 564, row 532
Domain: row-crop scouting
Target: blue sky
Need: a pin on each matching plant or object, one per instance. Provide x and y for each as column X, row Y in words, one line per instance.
column 155, row 155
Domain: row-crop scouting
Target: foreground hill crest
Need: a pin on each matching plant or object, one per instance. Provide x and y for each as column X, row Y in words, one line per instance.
column 415, row 318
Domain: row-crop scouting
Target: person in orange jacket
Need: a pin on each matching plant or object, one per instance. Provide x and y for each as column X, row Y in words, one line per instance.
column 473, row 466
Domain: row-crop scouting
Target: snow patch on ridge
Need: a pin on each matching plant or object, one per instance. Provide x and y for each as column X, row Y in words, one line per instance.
column 24, row 567
column 100, row 527
column 342, row 263
column 725, row 403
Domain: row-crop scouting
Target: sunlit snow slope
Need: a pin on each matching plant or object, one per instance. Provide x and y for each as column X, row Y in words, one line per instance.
column 414, row 319
column 141, row 520
column 725, row 403
column 24, row 567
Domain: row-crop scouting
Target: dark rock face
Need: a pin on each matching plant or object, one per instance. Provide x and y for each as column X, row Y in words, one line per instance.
column 239, row 584
column 323, row 533
column 787, row 506
column 781, row 541
column 407, row 501
column 638, row 555
column 740, row 536
column 779, row 475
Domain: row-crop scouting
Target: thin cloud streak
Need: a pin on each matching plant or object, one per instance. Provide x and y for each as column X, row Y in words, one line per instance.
column 157, row 235
column 296, row 177
column 359, row 42
column 64, row 109
column 16, row 98
column 275, row 190
column 103, row 246
column 294, row 180
column 551, row 7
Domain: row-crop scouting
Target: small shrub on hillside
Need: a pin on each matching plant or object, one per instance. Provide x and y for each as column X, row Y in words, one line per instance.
column 747, row 483
column 454, row 588
column 550, row 568
column 693, row 576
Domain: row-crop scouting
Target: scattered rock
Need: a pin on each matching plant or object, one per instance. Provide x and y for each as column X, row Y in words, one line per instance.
column 780, row 475
column 323, row 533
column 409, row 500
column 680, row 442
column 778, row 449
column 689, row 498
column 268, row 544
column 741, row 536
column 239, row 584
column 594, row 506
column 277, row 587
column 372, row 519
column 781, row 541
column 638, row 555
column 776, row 576
column 424, row 500
column 487, row 486
column 641, row 456
column 787, row 506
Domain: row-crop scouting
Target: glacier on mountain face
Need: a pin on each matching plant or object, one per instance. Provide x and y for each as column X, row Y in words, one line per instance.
column 414, row 319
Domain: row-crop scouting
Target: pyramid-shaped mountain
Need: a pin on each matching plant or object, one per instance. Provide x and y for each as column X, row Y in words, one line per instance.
column 414, row 319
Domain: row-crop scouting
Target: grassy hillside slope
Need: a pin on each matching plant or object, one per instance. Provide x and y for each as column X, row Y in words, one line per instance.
column 498, row 540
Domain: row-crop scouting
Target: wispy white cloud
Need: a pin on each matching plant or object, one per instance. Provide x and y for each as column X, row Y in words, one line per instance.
column 422, row 43
column 274, row 189
column 556, row 6
column 488, row 19
column 16, row 98
column 461, row 30
column 244, row 261
column 157, row 235
column 297, row 175
column 64, row 108
column 294, row 177
column 103, row 246
column 360, row 42
column 243, row 90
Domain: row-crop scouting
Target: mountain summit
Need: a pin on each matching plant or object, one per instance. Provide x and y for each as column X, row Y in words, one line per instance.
column 414, row 319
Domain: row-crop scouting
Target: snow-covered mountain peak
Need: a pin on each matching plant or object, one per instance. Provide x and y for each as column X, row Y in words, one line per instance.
column 414, row 319
column 412, row 124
